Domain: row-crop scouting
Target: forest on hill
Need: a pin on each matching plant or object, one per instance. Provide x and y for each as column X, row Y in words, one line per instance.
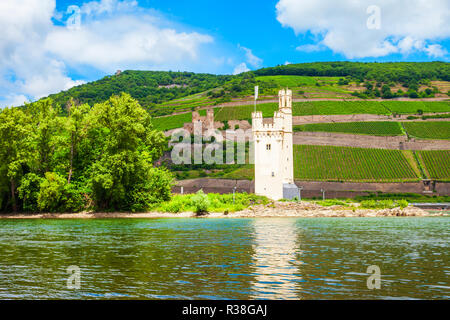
column 148, row 87
column 154, row 88
column 401, row 72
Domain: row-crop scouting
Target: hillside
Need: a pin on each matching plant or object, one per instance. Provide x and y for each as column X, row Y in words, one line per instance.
column 166, row 92
column 148, row 87
column 402, row 72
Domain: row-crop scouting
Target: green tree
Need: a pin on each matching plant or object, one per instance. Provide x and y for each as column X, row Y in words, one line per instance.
column 51, row 192
column 29, row 190
column 15, row 149
column 77, row 127
column 120, row 177
column 47, row 133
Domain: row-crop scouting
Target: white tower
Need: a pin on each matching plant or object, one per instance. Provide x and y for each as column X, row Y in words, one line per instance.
column 274, row 170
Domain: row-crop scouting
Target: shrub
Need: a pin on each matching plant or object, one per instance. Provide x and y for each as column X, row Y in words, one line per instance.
column 413, row 94
column 173, row 206
column 155, row 189
column 200, row 202
column 50, row 197
column 73, row 200
column 402, row 203
column 331, row 202
column 29, row 191
column 382, row 204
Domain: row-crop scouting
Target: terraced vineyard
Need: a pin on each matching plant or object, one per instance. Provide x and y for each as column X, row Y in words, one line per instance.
column 376, row 128
column 428, row 130
column 414, row 106
column 436, row 163
column 352, row 164
column 244, row 112
column 171, row 122
column 338, row 107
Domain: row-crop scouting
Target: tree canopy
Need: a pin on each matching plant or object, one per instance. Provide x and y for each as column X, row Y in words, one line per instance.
column 95, row 157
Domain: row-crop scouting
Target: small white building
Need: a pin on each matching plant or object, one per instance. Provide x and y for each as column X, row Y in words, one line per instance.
column 274, row 157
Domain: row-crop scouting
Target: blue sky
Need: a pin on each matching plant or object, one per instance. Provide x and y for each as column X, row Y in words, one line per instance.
column 45, row 48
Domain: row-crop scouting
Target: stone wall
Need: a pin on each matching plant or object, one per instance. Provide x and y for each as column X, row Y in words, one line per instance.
column 311, row 188
column 214, row 186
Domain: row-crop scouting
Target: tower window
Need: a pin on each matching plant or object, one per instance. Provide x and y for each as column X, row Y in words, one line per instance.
column 268, row 146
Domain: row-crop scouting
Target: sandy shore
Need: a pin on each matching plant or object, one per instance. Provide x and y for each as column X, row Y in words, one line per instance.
column 276, row 209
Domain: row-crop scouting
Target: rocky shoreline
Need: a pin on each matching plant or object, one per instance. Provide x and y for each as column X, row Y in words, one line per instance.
column 275, row 209
column 308, row 209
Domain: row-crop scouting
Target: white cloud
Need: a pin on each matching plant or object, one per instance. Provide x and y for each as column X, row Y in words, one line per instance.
column 242, row 67
column 36, row 54
column 310, row 47
column 253, row 60
column 348, row 26
column 111, row 43
column 108, row 6
column 13, row 100
column 287, row 62
column 435, row 50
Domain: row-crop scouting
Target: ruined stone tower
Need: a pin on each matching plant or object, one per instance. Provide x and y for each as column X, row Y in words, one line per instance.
column 274, row 170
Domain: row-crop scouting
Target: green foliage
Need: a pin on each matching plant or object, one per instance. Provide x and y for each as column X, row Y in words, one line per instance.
column 122, row 176
column 29, row 190
column 200, row 202
column 147, row 87
column 402, row 203
column 56, row 195
column 332, row 202
column 436, row 116
column 50, row 197
column 16, row 153
column 94, row 157
column 403, row 72
column 380, row 204
column 383, row 204
column 409, row 197
column 216, row 202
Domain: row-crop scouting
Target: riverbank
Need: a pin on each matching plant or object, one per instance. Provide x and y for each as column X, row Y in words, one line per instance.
column 275, row 209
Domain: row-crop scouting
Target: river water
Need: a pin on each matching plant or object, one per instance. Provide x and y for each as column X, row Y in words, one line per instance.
column 263, row 258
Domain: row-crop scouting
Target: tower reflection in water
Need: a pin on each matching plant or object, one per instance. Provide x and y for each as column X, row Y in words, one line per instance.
column 276, row 260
